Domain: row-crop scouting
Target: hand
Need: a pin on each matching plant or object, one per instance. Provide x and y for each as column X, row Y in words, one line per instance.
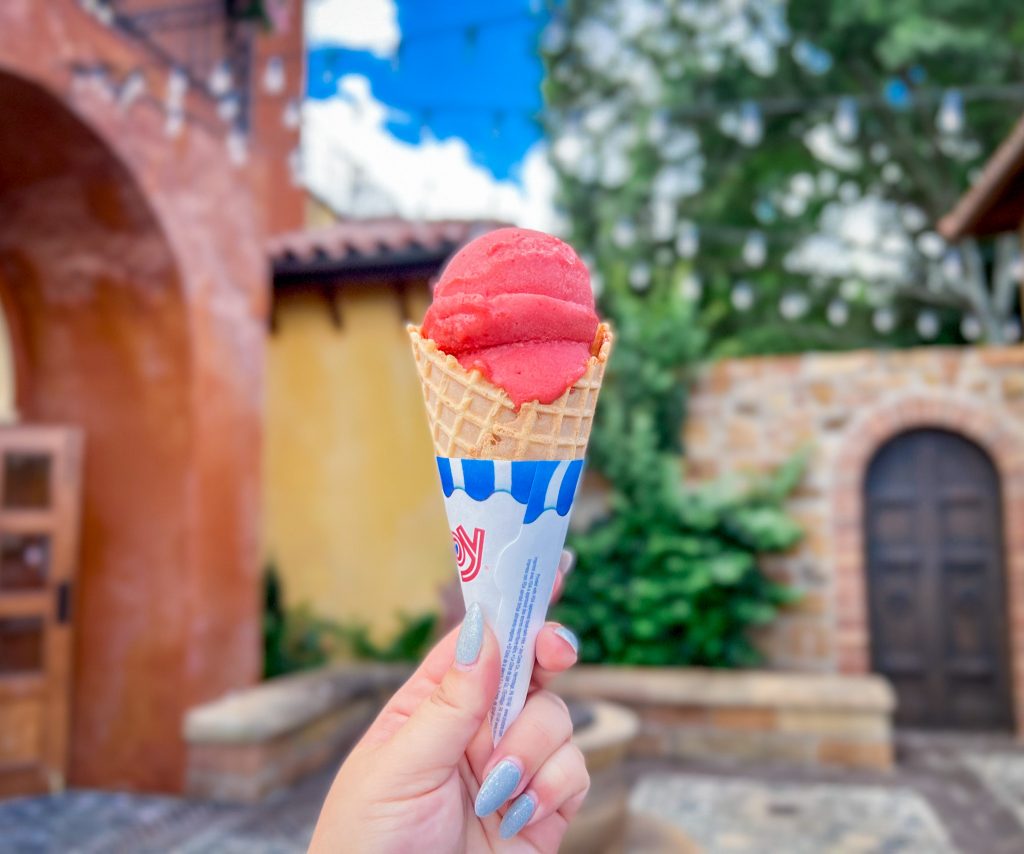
column 426, row 777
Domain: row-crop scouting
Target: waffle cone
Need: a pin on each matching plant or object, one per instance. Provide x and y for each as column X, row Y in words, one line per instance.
column 472, row 418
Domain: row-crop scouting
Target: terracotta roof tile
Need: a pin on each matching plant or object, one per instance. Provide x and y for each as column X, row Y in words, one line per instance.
column 356, row 243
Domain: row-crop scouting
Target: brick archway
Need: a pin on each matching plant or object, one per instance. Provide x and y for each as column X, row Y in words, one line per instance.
column 133, row 275
column 991, row 429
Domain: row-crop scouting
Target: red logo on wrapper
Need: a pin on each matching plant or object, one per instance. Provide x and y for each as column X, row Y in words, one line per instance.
column 469, row 551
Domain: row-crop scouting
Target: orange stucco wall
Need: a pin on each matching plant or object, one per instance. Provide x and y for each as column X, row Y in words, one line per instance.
column 134, row 281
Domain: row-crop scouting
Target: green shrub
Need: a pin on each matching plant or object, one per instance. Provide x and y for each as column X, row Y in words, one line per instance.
column 297, row 639
column 671, row 576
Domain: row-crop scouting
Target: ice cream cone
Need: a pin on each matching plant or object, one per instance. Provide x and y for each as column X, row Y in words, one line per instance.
column 471, row 418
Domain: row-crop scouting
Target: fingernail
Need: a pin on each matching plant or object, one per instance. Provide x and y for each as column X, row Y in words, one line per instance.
column 569, row 636
column 497, row 787
column 518, row 815
column 567, row 561
column 471, row 637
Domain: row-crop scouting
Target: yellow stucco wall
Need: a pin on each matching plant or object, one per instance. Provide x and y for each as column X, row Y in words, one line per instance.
column 354, row 516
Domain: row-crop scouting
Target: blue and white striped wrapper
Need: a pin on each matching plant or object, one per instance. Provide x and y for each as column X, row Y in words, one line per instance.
column 509, row 520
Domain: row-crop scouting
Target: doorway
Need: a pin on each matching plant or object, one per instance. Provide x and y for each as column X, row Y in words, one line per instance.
column 936, row 581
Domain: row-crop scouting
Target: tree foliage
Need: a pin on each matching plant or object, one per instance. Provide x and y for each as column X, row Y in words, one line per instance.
column 799, row 155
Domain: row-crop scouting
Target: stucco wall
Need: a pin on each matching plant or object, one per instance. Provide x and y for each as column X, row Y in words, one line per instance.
column 355, row 521
column 752, row 414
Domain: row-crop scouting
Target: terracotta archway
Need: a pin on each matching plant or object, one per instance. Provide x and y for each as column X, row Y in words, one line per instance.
column 996, row 433
column 133, row 279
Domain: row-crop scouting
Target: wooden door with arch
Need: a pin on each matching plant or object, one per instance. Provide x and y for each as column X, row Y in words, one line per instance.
column 40, row 502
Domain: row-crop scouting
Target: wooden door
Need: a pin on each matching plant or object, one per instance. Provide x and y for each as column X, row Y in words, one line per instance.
column 40, row 473
column 937, row 595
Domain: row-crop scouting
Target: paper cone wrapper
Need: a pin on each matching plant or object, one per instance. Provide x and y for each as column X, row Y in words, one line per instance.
column 509, row 479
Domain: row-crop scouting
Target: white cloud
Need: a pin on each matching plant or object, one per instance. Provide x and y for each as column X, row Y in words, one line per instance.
column 361, row 169
column 358, row 24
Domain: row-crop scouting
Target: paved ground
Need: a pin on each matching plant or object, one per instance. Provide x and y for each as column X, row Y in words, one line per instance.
column 950, row 794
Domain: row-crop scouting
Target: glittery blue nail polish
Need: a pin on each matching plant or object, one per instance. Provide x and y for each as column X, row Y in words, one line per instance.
column 518, row 815
column 569, row 636
column 497, row 787
column 471, row 636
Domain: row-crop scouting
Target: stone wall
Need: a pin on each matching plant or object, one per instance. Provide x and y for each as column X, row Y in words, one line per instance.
column 750, row 415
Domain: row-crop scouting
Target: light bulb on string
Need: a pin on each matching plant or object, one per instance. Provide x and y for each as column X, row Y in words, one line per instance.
column 750, row 131
column 228, row 108
column 220, row 81
column 846, row 120
column 132, row 88
column 897, row 94
column 295, row 167
column 624, row 234
column 690, row 287
column 755, row 249
column 640, row 277
column 970, row 327
column 927, row 324
column 837, row 313
column 174, row 122
column 931, row 245
column 950, row 118
column 274, row 76
column 687, row 239
column 952, row 265
column 793, row 305
column 105, row 13
column 238, row 146
column 883, row 320
column 851, row 289
column 742, row 296
column 291, row 116
column 177, row 87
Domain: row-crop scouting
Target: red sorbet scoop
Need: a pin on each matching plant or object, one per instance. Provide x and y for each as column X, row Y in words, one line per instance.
column 516, row 305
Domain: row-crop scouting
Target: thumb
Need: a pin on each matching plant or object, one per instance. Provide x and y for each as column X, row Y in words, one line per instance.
column 437, row 734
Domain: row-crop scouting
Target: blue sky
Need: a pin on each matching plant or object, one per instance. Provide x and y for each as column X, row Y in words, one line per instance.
column 463, row 69
column 455, row 81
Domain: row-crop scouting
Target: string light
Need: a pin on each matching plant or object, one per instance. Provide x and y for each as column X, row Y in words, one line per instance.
column 751, row 126
column 927, row 324
column 177, row 86
column 640, row 277
column 793, row 305
column 228, row 108
column 883, row 320
column 690, row 287
column 238, row 147
column 950, row 118
column 970, row 327
column 292, row 114
column 755, row 249
column 274, row 76
column 846, row 120
column 837, row 313
column 220, row 81
column 134, row 85
column 624, row 234
column 742, row 296
column 687, row 239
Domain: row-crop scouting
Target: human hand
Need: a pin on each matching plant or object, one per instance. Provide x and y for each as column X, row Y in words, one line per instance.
column 426, row 777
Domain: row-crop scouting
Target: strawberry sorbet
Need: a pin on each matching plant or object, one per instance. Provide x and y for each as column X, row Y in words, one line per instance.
column 516, row 305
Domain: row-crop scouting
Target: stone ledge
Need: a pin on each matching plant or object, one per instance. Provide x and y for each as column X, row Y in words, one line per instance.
column 288, row 703
column 787, row 718
column 729, row 689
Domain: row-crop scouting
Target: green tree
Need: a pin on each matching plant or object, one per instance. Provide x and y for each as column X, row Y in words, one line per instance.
column 797, row 155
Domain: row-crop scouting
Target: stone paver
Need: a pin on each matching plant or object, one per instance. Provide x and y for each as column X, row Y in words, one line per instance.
column 750, row 816
column 948, row 794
